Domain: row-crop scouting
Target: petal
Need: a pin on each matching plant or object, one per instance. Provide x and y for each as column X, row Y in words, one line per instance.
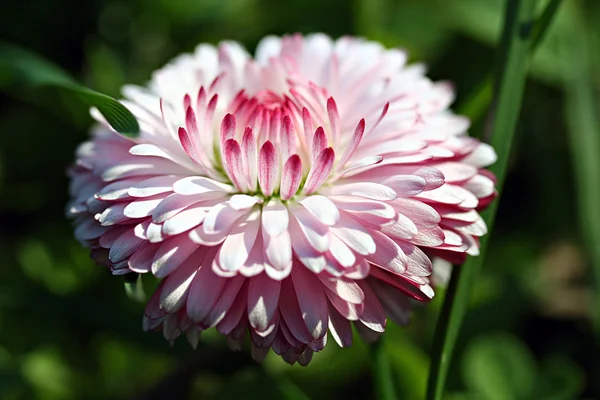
column 267, row 168
column 263, row 300
column 320, row 170
column 275, row 218
column 232, row 162
column 205, row 288
column 354, row 235
column 370, row 190
column 171, row 254
column 200, row 185
column 322, row 208
column 175, row 288
column 278, row 252
column 291, row 178
column 153, row 186
column 312, row 302
column 239, row 243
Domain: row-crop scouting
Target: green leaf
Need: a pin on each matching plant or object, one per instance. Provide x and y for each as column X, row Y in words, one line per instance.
column 289, row 390
column 134, row 287
column 509, row 85
column 499, row 367
column 28, row 69
column 560, row 379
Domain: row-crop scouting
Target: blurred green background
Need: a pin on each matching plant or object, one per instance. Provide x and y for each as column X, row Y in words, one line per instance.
column 67, row 329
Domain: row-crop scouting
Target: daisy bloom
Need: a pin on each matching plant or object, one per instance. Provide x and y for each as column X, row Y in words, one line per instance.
column 296, row 193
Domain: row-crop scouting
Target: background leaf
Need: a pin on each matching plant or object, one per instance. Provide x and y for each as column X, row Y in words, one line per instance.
column 499, row 367
column 29, row 69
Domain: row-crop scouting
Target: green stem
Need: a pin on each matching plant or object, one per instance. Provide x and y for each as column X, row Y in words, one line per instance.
column 584, row 133
column 509, row 86
column 480, row 99
column 382, row 372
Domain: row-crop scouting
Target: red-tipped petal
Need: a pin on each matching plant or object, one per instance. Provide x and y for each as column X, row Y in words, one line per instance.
column 307, row 124
column 267, row 168
column 187, row 101
column 233, row 162
column 188, row 145
column 320, row 171
column 201, row 99
column 334, row 116
column 288, row 138
column 291, row 178
column 319, row 143
column 227, row 128
column 354, row 142
column 190, row 121
column 249, row 158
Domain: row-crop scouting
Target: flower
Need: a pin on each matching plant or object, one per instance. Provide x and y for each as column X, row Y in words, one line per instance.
column 287, row 196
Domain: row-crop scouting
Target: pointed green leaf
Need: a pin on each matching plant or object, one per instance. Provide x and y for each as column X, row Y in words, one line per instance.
column 134, row 287
column 25, row 68
column 498, row 367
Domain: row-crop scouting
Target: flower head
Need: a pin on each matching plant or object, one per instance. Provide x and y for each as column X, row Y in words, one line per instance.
column 288, row 195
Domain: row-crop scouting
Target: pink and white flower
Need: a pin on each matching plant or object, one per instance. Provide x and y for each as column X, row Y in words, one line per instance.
column 287, row 196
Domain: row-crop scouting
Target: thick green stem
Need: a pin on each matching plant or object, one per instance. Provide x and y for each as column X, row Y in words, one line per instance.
column 509, row 86
column 581, row 109
column 382, row 372
column 480, row 99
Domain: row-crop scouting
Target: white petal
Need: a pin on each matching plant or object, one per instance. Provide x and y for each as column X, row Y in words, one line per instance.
column 275, row 218
column 322, row 208
column 199, row 185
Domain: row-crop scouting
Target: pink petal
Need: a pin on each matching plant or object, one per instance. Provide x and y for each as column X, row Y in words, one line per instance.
column 125, row 245
column 227, row 129
column 185, row 220
column 263, row 300
column 291, row 313
column 291, row 178
column 312, row 229
column 275, row 218
column 249, row 158
column 232, row 162
column 231, row 288
column 319, row 143
column 334, row 116
column 143, row 208
column 322, row 208
column 354, row 142
column 354, row 235
column 239, row 243
column 341, row 252
column 340, row 328
column 205, row 288
column 175, row 288
column 312, row 302
column 267, row 168
column 373, row 315
column 406, row 185
column 220, row 218
column 347, row 289
column 278, row 252
column 369, row 190
column 153, row 186
column 171, row 254
column 320, row 170
column 288, row 138
column 200, row 185
column 141, row 260
column 389, row 254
